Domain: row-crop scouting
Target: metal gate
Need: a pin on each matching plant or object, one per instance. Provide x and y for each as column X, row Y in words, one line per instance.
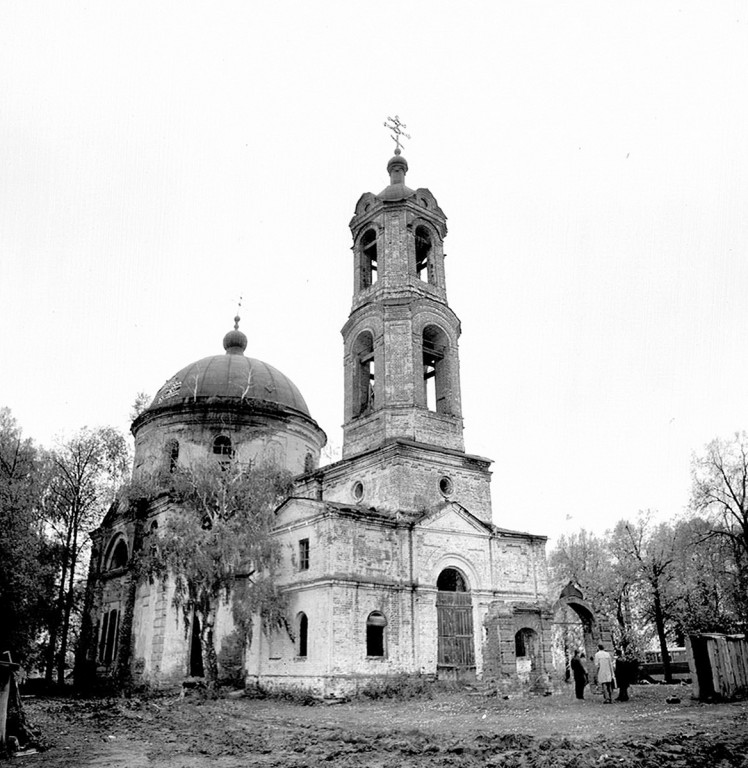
column 454, row 613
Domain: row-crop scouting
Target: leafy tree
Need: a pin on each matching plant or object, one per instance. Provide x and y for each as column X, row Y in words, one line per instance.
column 216, row 545
column 140, row 404
column 587, row 560
column 649, row 550
column 709, row 598
column 720, row 493
column 25, row 555
column 86, row 472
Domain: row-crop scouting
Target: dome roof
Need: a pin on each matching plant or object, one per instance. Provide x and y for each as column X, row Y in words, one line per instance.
column 231, row 376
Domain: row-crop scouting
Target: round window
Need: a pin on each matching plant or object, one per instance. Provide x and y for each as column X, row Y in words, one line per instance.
column 446, row 486
column 358, row 490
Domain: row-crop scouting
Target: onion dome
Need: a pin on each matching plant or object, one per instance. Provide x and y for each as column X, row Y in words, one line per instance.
column 231, row 377
column 397, row 167
column 235, row 342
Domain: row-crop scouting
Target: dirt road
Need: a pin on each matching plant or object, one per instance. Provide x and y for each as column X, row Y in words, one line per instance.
column 451, row 729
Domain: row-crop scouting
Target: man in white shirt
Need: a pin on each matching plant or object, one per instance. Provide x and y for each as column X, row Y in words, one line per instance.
column 605, row 673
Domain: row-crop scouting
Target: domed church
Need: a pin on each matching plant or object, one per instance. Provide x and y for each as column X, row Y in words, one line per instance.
column 391, row 562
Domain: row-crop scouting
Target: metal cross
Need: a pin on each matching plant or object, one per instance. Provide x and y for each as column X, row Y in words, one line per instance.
column 396, row 127
column 237, row 318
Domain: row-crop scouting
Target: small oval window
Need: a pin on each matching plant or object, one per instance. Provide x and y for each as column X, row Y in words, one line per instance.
column 446, row 486
column 358, row 490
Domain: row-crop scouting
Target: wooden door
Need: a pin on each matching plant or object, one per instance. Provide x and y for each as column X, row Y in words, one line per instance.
column 454, row 613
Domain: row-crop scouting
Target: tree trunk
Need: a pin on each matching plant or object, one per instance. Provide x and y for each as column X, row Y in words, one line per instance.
column 56, row 619
column 660, row 626
column 67, row 611
column 210, row 657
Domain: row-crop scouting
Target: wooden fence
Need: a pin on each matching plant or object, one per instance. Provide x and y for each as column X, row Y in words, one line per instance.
column 719, row 664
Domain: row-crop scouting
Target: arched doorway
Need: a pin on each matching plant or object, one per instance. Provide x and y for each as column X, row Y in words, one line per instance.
column 454, row 614
column 575, row 628
column 526, row 647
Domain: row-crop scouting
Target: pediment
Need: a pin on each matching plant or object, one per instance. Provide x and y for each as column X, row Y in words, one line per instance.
column 453, row 517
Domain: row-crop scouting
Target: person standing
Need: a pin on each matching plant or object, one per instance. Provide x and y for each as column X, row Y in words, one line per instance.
column 580, row 674
column 605, row 673
column 624, row 675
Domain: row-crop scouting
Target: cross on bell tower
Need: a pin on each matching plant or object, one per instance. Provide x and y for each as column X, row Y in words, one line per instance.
column 402, row 374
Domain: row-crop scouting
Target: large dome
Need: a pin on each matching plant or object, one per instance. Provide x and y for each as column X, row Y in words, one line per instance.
column 231, row 376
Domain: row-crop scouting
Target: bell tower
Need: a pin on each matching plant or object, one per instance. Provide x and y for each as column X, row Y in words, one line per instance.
column 402, row 371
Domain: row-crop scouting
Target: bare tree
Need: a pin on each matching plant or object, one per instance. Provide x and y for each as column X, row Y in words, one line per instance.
column 720, row 492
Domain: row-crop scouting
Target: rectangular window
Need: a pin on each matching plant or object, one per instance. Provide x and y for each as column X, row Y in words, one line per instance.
column 304, row 555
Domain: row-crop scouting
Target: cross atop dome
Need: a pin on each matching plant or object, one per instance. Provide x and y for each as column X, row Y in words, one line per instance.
column 396, row 128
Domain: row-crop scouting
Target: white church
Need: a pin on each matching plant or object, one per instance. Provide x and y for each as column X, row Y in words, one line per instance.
column 391, row 561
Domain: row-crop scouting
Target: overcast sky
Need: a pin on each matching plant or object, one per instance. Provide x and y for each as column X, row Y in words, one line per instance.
column 158, row 160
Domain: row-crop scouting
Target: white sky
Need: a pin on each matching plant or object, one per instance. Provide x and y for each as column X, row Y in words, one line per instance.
column 157, row 160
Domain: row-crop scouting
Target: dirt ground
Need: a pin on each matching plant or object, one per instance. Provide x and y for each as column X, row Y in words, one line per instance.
column 451, row 729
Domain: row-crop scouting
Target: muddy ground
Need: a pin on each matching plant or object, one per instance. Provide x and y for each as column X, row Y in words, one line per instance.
column 454, row 728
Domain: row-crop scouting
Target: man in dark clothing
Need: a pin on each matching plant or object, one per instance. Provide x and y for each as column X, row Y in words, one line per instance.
column 580, row 674
column 625, row 673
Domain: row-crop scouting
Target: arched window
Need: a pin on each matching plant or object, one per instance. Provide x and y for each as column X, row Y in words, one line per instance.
column 363, row 374
column 525, row 643
column 172, row 454
column 222, row 448
column 274, row 453
column 368, row 259
column 451, row 580
column 435, row 370
column 303, row 631
column 375, row 626
column 424, row 266
column 309, row 462
column 117, row 554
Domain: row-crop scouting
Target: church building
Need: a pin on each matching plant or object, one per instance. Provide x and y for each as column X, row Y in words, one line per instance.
column 391, row 562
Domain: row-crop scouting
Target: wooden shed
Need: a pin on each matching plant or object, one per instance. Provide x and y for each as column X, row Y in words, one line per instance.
column 719, row 664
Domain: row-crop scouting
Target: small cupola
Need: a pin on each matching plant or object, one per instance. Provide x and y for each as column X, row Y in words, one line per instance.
column 235, row 342
column 397, row 167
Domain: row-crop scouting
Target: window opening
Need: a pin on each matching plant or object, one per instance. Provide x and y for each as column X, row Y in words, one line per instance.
column 303, row 631
column 304, row 555
column 172, row 449
column 375, row 626
column 451, row 580
column 308, row 462
column 196, row 650
column 364, row 375
column 446, row 486
column 108, row 637
column 222, row 448
column 435, row 378
column 368, row 258
column 424, row 266
column 525, row 643
column 102, row 636
column 119, row 556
